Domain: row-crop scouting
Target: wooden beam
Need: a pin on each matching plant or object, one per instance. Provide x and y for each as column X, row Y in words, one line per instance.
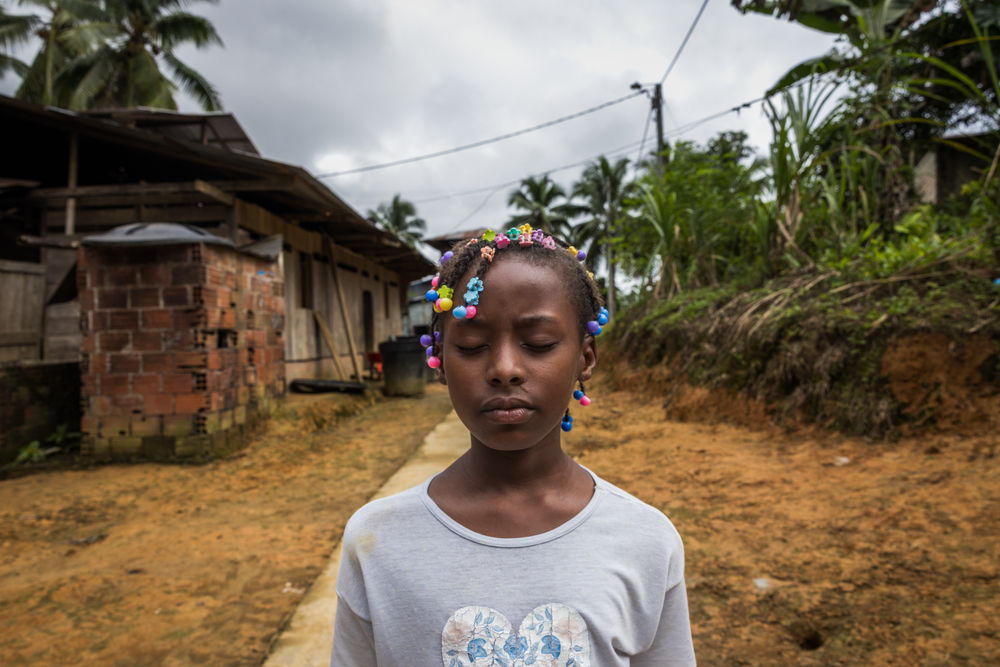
column 19, row 338
column 262, row 184
column 134, row 189
column 111, row 217
column 328, row 337
column 74, row 150
column 10, row 266
column 48, row 242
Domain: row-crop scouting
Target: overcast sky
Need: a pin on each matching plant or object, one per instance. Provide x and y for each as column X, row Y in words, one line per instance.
column 336, row 84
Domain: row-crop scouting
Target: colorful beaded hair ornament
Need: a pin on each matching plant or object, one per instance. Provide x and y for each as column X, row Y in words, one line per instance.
column 441, row 295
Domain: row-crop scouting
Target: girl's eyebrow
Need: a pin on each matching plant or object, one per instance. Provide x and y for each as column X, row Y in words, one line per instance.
column 521, row 321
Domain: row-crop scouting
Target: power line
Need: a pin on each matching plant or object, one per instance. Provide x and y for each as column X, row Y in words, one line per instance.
column 483, row 142
column 680, row 49
column 642, row 144
column 497, row 186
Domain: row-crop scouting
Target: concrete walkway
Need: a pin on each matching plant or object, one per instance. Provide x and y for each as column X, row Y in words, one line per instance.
column 308, row 639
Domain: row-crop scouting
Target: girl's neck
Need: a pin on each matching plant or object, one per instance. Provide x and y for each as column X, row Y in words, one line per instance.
column 491, row 470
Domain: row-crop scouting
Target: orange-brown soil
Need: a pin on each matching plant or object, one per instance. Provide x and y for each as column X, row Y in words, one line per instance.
column 802, row 549
column 191, row 565
column 816, row 549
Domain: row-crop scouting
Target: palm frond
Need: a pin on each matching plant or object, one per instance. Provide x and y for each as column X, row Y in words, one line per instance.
column 179, row 28
column 194, row 84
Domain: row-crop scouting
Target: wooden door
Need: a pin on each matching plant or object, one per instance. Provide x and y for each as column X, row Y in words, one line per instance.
column 22, row 308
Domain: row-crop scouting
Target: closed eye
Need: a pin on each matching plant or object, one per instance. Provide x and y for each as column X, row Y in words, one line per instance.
column 469, row 349
column 540, row 347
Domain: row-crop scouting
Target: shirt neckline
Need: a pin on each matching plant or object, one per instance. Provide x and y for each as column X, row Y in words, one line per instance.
column 509, row 542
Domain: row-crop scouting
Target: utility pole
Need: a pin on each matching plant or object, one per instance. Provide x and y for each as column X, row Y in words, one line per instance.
column 657, row 102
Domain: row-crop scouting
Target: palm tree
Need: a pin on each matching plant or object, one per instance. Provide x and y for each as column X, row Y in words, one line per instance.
column 399, row 217
column 71, row 29
column 125, row 70
column 537, row 198
column 604, row 189
column 15, row 30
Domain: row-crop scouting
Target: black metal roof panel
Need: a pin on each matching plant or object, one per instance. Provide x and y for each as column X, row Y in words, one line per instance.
column 153, row 234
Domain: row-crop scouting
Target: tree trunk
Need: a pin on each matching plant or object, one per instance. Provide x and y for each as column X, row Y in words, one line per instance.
column 611, row 281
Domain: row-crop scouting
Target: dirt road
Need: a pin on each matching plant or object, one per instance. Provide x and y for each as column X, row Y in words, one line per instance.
column 801, row 549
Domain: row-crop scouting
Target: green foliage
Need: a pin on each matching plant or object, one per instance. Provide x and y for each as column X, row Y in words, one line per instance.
column 108, row 53
column 399, row 217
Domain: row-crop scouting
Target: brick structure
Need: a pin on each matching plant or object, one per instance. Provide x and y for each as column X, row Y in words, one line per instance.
column 182, row 349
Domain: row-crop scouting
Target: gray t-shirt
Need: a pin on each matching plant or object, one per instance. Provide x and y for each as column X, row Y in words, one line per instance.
column 604, row 589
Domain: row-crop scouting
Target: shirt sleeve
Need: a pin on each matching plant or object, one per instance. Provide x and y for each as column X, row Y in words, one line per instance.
column 353, row 640
column 672, row 645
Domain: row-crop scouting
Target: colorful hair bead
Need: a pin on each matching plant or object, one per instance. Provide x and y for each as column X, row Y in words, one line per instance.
column 502, row 241
column 585, row 401
column 445, row 292
column 571, row 250
column 489, row 235
column 459, row 313
column 437, row 336
column 437, row 307
column 567, row 421
column 444, row 303
column 431, row 295
column 475, row 283
column 426, row 340
column 525, row 229
column 593, row 328
column 525, row 240
column 471, row 298
column 581, row 255
column 470, row 312
column 445, row 257
column 549, row 243
column 434, row 362
column 578, row 394
column 471, row 242
column 487, row 252
column 513, row 233
column 429, row 350
column 537, row 235
column 435, row 281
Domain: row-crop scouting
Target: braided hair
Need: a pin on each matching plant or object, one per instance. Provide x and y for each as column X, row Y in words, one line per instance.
column 583, row 292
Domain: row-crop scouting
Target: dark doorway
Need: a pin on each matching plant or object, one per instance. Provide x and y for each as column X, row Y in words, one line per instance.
column 368, row 315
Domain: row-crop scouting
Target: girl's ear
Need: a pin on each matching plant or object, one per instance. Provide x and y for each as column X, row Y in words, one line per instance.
column 588, row 358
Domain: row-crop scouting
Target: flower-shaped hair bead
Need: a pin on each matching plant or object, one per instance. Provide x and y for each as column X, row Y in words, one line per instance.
column 525, row 240
column 525, row 228
column 549, row 242
column 537, row 235
column 513, row 233
column 445, row 292
column 487, row 252
column 472, row 298
column 489, row 235
column 471, row 242
column 502, row 241
column 475, row 283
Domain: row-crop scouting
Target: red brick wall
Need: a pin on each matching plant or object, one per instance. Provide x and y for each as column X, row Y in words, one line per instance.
column 182, row 349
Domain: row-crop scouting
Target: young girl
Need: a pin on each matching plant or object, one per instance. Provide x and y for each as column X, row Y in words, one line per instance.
column 515, row 554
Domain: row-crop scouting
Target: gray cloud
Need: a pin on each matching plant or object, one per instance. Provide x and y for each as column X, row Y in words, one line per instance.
column 332, row 85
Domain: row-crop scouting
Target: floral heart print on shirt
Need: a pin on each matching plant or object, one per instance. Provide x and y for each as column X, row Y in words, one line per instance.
column 551, row 635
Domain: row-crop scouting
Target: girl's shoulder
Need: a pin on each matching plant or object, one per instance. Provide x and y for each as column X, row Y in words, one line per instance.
column 384, row 514
column 637, row 518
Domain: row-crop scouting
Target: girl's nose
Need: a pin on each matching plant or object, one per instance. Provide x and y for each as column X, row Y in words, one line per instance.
column 505, row 367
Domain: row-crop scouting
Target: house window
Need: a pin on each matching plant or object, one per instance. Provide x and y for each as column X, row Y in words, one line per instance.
column 368, row 320
column 305, row 280
column 385, row 298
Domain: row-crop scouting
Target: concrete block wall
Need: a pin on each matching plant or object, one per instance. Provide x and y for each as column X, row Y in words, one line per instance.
column 182, row 349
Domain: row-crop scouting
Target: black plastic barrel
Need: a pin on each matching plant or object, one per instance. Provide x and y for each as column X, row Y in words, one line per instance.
column 403, row 364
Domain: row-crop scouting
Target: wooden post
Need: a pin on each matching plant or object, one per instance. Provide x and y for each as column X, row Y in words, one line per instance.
column 328, row 337
column 328, row 247
column 74, row 149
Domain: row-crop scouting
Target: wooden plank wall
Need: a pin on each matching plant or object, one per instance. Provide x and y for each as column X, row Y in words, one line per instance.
column 306, row 355
column 22, row 297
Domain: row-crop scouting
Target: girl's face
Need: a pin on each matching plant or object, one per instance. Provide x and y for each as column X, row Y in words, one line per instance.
column 512, row 369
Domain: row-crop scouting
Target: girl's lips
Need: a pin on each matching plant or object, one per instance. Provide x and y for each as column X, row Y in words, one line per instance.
column 509, row 415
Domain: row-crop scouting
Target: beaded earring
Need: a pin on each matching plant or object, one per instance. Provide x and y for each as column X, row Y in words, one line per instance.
column 581, row 395
column 567, row 421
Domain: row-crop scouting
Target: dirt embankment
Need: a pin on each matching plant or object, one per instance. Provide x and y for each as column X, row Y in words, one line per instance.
column 157, row 564
column 812, row 548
